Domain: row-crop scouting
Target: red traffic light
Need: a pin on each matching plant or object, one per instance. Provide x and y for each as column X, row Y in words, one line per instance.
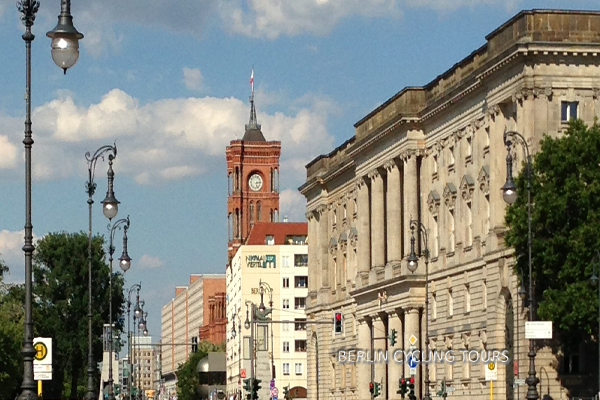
column 338, row 316
column 412, row 380
column 371, row 385
column 402, row 381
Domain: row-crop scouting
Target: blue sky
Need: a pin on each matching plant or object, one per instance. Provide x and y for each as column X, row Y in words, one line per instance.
column 169, row 82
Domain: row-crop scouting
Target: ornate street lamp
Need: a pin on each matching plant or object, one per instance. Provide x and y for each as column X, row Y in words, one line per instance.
column 110, row 209
column 130, row 353
column 509, row 192
column 413, row 263
column 28, row 9
column 125, row 263
column 65, row 38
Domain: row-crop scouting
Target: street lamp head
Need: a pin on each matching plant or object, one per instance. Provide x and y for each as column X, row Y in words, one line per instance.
column 509, row 191
column 110, row 205
column 145, row 332
column 522, row 291
column 247, row 324
column 65, row 41
column 125, row 261
column 413, row 260
column 137, row 311
column 142, row 325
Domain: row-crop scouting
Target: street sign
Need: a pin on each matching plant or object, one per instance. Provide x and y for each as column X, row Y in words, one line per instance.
column 519, row 381
column 42, row 360
column 412, row 371
column 275, row 392
column 491, row 372
column 412, row 363
column 538, row 330
column 412, row 340
column 243, row 373
column 272, row 384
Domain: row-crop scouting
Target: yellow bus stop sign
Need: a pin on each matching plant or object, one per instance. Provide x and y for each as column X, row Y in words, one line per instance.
column 41, row 351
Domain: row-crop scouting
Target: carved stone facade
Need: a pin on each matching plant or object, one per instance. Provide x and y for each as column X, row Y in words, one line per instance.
column 436, row 154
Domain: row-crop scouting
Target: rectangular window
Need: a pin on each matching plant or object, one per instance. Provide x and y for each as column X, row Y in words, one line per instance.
column 484, row 294
column 571, row 363
column 286, row 347
column 301, row 282
column 298, row 368
column 285, row 327
column 285, row 261
column 450, row 303
column 300, row 324
column 433, row 306
column 286, row 283
column 345, row 212
column 301, row 260
column 450, row 156
column 300, row 303
column 270, row 240
column 568, row 110
column 286, row 368
column 300, row 346
column 469, row 232
column 286, row 304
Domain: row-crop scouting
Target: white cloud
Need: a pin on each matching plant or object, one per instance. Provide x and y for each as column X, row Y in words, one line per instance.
column 11, row 252
column 8, row 153
column 293, row 205
column 167, row 139
column 150, row 262
column 192, row 77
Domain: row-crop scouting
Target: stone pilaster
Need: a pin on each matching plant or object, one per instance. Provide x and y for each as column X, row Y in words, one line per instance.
column 323, row 246
column 313, row 260
column 394, row 213
column 380, row 346
column 411, row 197
column 377, row 220
column 395, row 370
column 363, row 369
column 364, row 231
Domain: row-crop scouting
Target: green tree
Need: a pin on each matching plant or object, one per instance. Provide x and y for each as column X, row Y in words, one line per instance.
column 565, row 196
column 11, row 336
column 61, row 290
column 188, row 382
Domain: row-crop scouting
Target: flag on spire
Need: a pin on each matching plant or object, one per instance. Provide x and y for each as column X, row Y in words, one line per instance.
column 252, row 80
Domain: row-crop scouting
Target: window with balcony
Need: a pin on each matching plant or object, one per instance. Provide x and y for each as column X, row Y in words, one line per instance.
column 301, row 260
column 300, row 303
column 295, row 239
column 300, row 324
column 300, row 346
column 301, row 282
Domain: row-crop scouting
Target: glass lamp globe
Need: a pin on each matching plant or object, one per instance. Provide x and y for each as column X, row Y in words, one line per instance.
column 110, row 207
column 125, row 263
column 64, row 50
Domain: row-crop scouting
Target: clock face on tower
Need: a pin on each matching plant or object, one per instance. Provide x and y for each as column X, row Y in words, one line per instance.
column 255, row 182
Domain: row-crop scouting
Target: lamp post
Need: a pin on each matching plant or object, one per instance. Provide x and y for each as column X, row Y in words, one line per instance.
column 141, row 329
column 236, row 314
column 28, row 9
column 509, row 193
column 110, row 209
column 413, row 263
column 136, row 312
column 595, row 280
column 249, row 323
column 125, row 263
column 262, row 287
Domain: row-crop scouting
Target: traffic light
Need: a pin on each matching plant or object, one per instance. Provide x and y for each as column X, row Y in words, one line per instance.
column 393, row 334
column 286, row 392
column 411, row 388
column 255, row 388
column 194, row 344
column 402, row 387
column 338, row 322
column 117, row 388
column 377, row 388
column 248, row 385
column 371, row 387
column 443, row 392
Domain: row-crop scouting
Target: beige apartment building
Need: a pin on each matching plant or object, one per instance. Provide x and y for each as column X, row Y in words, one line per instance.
column 143, row 362
column 436, row 154
column 275, row 254
column 181, row 320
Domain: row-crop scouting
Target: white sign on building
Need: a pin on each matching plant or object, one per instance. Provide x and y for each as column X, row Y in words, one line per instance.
column 538, row 330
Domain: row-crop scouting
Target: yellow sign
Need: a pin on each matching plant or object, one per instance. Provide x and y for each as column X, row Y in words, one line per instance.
column 491, row 366
column 41, row 351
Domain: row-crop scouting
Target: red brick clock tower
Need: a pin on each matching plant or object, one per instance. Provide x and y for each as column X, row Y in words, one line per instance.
column 253, row 181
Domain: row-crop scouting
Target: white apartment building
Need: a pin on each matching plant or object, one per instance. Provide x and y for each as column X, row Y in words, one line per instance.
column 143, row 362
column 275, row 254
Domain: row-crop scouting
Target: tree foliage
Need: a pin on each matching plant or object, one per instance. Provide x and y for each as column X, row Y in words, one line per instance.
column 565, row 197
column 11, row 336
column 61, row 307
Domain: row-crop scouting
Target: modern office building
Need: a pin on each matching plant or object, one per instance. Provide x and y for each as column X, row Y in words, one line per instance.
column 436, row 154
column 142, row 358
column 274, row 259
column 196, row 311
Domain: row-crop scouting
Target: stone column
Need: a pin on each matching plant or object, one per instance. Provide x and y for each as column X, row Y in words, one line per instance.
column 364, row 231
column 411, row 198
column 313, row 257
column 380, row 346
column 377, row 220
column 411, row 327
column 363, row 369
column 395, row 371
column 323, row 246
column 394, row 213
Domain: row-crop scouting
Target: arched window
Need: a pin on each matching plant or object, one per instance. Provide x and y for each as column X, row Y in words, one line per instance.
column 258, row 211
column 237, row 222
column 275, row 216
column 276, row 180
column 271, row 215
column 229, row 184
column 229, row 227
column 236, row 179
column 251, row 211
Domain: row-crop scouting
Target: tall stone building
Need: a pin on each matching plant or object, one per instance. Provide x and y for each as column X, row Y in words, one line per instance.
column 436, row 154
column 253, row 182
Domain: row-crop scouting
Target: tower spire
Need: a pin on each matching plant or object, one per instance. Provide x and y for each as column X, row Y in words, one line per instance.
column 253, row 132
